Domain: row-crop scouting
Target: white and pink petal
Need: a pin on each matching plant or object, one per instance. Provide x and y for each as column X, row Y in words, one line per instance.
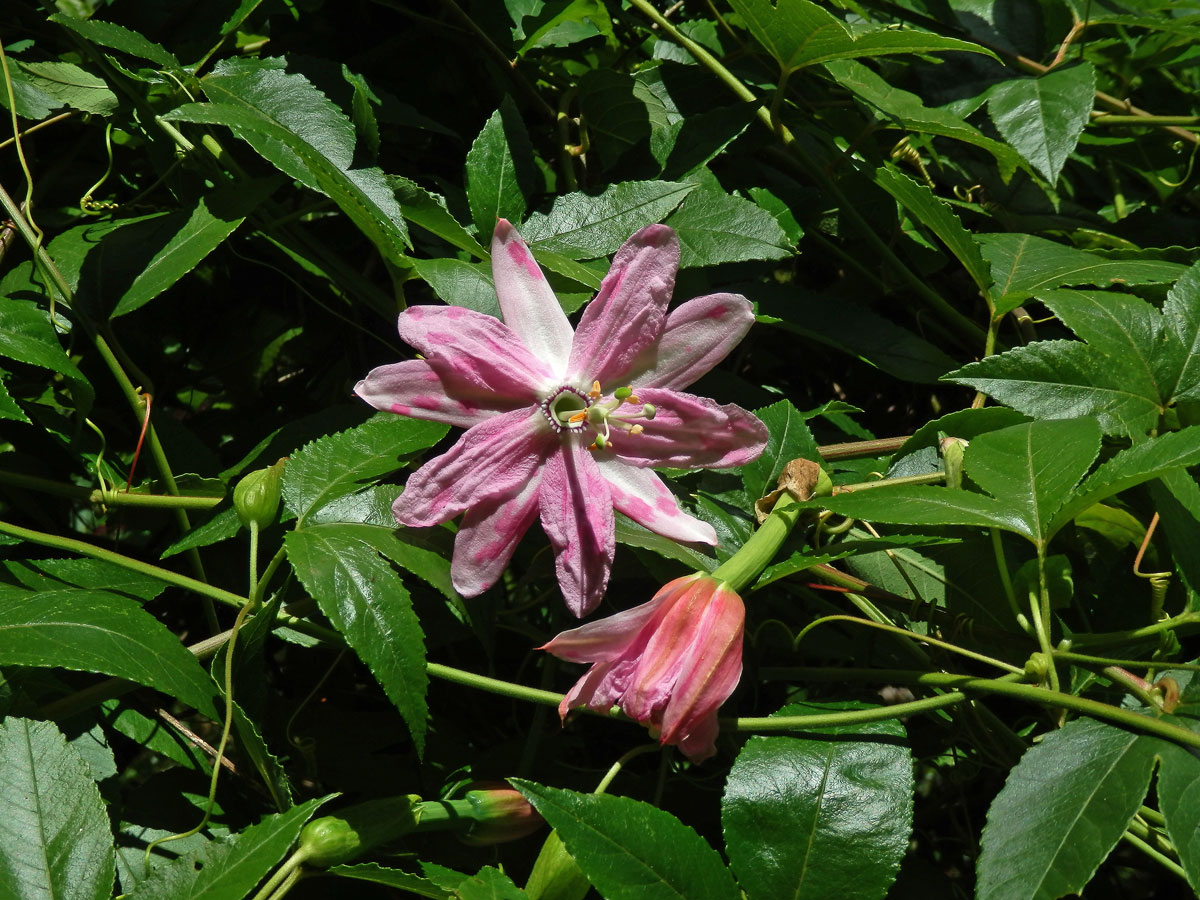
column 627, row 315
column 420, row 390
column 492, row 459
column 577, row 516
column 698, row 335
column 527, row 301
column 640, row 494
column 692, row 432
column 487, row 537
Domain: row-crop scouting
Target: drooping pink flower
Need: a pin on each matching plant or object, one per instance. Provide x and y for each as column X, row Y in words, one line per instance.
column 669, row 663
column 565, row 424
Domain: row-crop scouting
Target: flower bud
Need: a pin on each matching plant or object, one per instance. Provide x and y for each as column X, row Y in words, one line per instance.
column 501, row 814
column 953, row 450
column 256, row 497
column 330, row 840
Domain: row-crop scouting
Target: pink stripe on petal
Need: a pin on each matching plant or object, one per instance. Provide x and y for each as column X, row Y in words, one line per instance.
column 487, row 537
column 698, row 335
column 627, row 316
column 480, row 351
column 641, row 495
column 529, row 306
column 494, row 458
column 692, row 432
column 577, row 517
column 417, row 389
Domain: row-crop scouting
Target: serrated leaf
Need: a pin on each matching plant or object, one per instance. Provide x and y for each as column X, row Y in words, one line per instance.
column 632, row 534
column 561, row 23
column 500, row 169
column 621, row 111
column 1061, row 811
column 8, row 406
column 94, row 631
column 223, row 525
column 429, row 211
column 54, row 833
column 1034, row 468
column 937, row 217
column 489, row 884
column 228, row 868
column 27, row 336
column 60, row 574
column 461, row 283
column 1134, row 465
column 907, row 110
column 337, row 464
column 1063, row 379
column 1181, row 317
column 1043, row 117
column 118, row 37
column 1176, row 498
column 716, row 228
column 405, row 881
column 1023, row 264
column 630, row 849
column 66, row 84
column 798, row 33
column 789, row 438
column 366, row 601
column 817, row 817
column 296, row 128
column 1179, row 799
column 580, row 226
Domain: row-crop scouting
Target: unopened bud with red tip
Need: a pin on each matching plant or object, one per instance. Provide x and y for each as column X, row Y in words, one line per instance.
column 500, row 814
column 256, row 497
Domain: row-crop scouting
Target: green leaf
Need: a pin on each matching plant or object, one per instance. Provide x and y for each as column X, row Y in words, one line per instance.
column 489, row 884
column 1061, row 811
column 1182, row 318
column 429, row 211
column 580, row 226
column 1179, row 799
column 1043, row 117
column 44, row 87
column 630, row 849
column 27, row 336
column 1137, row 464
column 95, row 631
column 228, row 868
column 54, row 833
column 118, row 37
column 365, row 600
column 405, row 881
column 621, row 112
column 500, row 169
column 1033, row 467
column 1176, row 498
column 937, row 217
column 1058, row 378
column 899, row 108
column 221, row 527
column 717, row 228
column 191, row 234
column 823, row 816
column 799, row 33
column 336, row 465
column 8, row 406
column 913, row 505
column 296, row 128
column 632, row 534
column 564, row 22
column 58, row 574
column 461, row 283
column 1023, row 265
column 789, row 438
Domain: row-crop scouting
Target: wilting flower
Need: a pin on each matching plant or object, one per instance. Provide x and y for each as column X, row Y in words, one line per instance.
column 669, row 663
column 562, row 423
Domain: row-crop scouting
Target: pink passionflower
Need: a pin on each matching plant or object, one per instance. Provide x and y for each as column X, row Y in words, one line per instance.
column 669, row 663
column 566, row 423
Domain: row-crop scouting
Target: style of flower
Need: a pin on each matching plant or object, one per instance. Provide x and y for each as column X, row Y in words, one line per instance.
column 566, row 423
column 669, row 663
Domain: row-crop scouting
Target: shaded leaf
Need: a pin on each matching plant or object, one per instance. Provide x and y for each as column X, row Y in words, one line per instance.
column 716, row 228
column 1043, row 117
column 365, row 600
column 118, row 37
column 429, row 211
column 373, row 872
column 500, row 169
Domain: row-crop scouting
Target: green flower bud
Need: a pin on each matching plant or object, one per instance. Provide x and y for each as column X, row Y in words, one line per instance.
column 330, row 840
column 256, row 497
column 953, row 450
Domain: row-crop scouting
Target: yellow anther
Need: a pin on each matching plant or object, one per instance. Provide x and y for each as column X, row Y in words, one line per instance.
column 595, row 393
column 633, row 398
column 636, row 429
column 578, row 417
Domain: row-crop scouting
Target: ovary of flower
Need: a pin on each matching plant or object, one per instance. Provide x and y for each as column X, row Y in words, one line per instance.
column 529, row 392
column 669, row 663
